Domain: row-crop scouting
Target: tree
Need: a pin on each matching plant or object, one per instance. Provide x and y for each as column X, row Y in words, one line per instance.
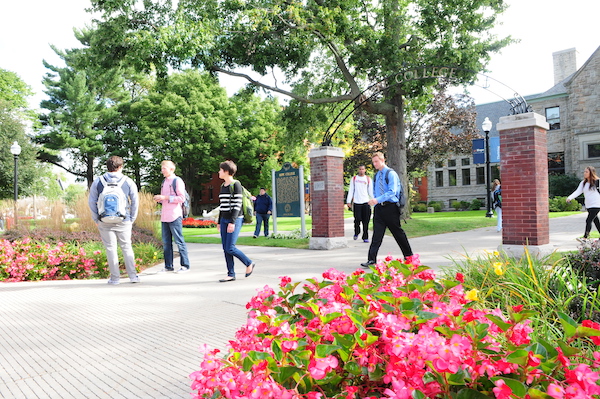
column 80, row 99
column 336, row 49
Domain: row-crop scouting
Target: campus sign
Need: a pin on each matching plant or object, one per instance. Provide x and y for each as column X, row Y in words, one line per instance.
column 479, row 150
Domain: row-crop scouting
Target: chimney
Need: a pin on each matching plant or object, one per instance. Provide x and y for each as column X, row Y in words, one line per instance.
column 565, row 64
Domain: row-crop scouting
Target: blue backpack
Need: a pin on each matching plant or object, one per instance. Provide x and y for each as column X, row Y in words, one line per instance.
column 112, row 202
column 402, row 198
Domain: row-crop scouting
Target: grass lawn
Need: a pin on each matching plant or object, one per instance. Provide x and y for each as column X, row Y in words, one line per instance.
column 421, row 224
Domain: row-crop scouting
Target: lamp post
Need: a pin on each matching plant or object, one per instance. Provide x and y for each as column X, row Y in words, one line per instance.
column 15, row 149
column 487, row 126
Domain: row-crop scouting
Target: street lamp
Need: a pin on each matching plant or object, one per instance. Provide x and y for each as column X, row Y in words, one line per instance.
column 487, row 126
column 15, row 149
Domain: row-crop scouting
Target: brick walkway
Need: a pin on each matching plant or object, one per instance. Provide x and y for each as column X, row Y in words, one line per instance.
column 88, row 339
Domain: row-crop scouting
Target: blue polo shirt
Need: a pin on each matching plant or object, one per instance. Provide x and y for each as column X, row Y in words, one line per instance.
column 386, row 191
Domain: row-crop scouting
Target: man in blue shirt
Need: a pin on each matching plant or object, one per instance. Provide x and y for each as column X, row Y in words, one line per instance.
column 263, row 207
column 387, row 210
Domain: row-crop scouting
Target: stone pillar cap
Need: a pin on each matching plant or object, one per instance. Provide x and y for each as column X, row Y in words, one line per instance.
column 522, row 120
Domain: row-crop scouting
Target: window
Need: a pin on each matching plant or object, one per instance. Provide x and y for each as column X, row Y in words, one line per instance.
column 451, row 163
column 452, row 177
column 556, row 162
column 480, row 173
column 593, row 151
column 465, row 161
column 439, row 179
column 439, row 164
column 210, row 193
column 553, row 117
column 466, row 177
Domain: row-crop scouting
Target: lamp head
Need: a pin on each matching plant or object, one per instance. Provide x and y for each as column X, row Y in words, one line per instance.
column 15, row 149
column 486, row 125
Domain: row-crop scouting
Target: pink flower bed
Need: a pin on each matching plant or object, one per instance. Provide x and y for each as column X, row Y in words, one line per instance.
column 27, row 260
column 395, row 333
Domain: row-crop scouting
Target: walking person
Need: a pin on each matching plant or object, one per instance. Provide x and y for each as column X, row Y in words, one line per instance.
column 387, row 190
column 263, row 207
column 171, row 217
column 497, row 203
column 231, row 219
column 115, row 222
column 589, row 188
column 359, row 194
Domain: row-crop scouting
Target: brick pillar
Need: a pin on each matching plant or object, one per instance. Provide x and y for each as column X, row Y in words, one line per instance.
column 524, row 173
column 327, row 198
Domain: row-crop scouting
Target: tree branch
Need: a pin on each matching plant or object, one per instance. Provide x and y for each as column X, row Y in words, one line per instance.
column 275, row 89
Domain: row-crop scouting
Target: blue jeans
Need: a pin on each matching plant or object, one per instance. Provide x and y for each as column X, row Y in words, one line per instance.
column 262, row 218
column 229, row 248
column 174, row 231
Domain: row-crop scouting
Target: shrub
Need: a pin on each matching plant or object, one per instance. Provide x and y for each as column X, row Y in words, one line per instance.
column 436, row 205
column 456, row 205
column 420, row 207
column 464, row 205
column 560, row 204
column 476, row 204
column 562, row 185
column 393, row 333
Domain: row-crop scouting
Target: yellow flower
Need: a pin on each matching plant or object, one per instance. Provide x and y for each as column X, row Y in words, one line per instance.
column 496, row 253
column 472, row 295
column 498, row 268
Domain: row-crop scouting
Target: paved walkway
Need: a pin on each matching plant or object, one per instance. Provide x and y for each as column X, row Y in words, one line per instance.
column 88, row 339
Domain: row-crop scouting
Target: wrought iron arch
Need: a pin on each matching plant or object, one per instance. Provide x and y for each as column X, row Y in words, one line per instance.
column 518, row 104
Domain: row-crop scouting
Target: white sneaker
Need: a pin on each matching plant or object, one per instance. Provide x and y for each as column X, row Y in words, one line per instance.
column 183, row 269
column 135, row 279
column 113, row 282
column 583, row 240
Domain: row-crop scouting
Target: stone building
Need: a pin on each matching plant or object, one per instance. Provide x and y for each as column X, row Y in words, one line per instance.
column 571, row 107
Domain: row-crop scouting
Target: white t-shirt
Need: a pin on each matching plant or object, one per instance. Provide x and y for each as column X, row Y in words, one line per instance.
column 361, row 189
column 592, row 197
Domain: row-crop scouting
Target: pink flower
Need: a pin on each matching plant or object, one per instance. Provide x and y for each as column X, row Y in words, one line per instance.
column 288, row 346
column 556, row 391
column 284, row 280
column 517, row 308
column 595, row 326
column 319, row 367
column 502, row 391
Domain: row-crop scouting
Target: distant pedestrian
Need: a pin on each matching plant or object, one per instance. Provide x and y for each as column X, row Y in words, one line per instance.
column 387, row 188
column 115, row 225
column 263, row 207
column 359, row 194
column 171, row 217
column 497, row 203
column 231, row 220
column 589, row 188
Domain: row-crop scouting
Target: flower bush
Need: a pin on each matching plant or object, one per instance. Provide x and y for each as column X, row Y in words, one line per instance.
column 29, row 260
column 191, row 222
column 394, row 333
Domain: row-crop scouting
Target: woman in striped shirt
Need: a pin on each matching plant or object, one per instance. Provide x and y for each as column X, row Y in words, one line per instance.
column 231, row 219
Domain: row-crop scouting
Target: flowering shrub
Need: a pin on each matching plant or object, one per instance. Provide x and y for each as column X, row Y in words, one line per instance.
column 394, row 333
column 29, row 260
column 191, row 222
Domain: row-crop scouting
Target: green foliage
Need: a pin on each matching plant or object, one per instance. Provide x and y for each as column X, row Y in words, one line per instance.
column 560, row 204
column 476, row 204
column 13, row 91
column 562, row 185
column 436, row 205
column 456, row 205
column 420, row 207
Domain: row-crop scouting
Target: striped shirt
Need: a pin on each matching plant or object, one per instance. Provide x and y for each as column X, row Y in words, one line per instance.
column 231, row 205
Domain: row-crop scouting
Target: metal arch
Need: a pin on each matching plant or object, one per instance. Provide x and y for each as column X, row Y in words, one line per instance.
column 518, row 104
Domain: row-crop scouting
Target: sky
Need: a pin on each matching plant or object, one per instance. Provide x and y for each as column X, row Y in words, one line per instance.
column 28, row 27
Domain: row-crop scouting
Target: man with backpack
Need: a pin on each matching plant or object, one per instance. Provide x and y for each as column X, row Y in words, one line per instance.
column 389, row 198
column 113, row 201
column 359, row 193
column 263, row 207
column 172, row 196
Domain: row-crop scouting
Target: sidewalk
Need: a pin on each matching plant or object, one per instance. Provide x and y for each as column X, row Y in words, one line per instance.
column 88, row 339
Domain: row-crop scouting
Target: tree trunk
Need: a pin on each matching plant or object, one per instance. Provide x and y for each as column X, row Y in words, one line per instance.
column 396, row 143
column 90, row 171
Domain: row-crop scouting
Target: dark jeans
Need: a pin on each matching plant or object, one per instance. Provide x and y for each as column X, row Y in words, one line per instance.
column 174, row 231
column 262, row 218
column 362, row 215
column 592, row 217
column 228, row 240
column 388, row 217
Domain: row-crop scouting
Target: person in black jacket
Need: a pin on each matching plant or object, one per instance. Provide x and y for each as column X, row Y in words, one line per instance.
column 263, row 207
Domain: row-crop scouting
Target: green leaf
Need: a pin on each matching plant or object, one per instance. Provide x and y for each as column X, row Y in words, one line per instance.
column 416, row 394
column 518, row 388
column 306, row 313
column 353, row 368
column 326, row 350
column 568, row 350
column 518, row 357
column 467, row 393
column 329, row 317
column 285, row 373
column 537, row 394
column 458, row 378
column 277, row 352
column 504, row 326
column 568, row 324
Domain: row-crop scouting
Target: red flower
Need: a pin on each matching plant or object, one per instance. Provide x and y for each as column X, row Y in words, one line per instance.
column 460, row 277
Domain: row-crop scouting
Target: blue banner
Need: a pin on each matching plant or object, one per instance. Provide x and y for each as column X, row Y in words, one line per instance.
column 479, row 150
